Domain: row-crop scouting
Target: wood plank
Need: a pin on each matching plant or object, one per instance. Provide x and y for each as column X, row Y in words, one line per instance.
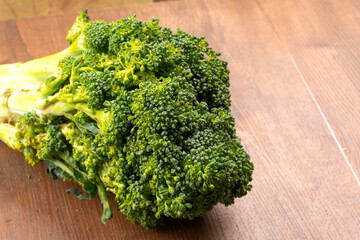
column 302, row 188
column 11, row 9
column 323, row 38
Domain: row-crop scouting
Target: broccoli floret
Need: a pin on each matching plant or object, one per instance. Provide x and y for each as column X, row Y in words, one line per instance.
column 78, row 27
column 97, row 36
column 134, row 109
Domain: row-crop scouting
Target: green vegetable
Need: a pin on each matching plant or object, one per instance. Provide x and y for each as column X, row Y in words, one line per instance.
column 131, row 108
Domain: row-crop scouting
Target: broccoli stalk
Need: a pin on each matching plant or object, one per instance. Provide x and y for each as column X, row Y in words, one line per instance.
column 7, row 135
column 131, row 108
column 25, row 86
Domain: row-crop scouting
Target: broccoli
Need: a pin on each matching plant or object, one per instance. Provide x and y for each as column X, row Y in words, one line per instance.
column 133, row 109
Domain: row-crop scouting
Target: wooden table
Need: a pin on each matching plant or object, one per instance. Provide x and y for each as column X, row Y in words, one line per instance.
column 295, row 84
column 11, row 9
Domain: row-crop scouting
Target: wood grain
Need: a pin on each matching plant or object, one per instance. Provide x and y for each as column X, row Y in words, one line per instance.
column 10, row 9
column 323, row 37
column 302, row 187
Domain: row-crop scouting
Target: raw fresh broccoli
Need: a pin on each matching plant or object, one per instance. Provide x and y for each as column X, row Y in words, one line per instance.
column 131, row 108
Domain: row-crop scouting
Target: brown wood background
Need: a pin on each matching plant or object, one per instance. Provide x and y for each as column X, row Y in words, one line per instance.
column 295, row 95
column 11, row 9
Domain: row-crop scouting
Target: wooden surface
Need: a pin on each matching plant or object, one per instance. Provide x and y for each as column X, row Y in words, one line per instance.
column 323, row 38
column 295, row 95
column 11, row 9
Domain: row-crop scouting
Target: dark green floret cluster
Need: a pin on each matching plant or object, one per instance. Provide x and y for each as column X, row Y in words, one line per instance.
column 133, row 109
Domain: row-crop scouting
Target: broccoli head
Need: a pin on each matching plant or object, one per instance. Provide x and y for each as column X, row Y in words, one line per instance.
column 134, row 109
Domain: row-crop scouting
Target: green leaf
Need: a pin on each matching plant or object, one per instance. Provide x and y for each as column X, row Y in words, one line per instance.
column 76, row 192
column 84, row 128
column 55, row 171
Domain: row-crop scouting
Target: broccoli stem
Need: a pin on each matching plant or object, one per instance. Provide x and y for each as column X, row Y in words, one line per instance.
column 97, row 115
column 7, row 134
column 72, row 163
column 37, row 70
column 26, row 82
column 64, row 167
column 107, row 214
